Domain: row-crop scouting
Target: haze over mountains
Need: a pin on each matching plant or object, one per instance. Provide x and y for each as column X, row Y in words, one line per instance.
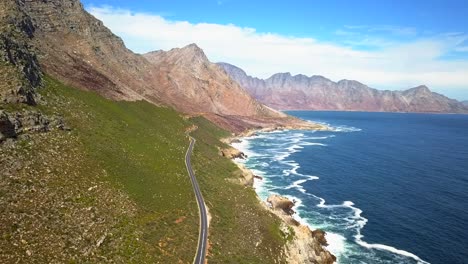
column 286, row 92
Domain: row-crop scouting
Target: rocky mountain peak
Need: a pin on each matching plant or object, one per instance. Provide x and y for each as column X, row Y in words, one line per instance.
column 281, row 75
column 191, row 53
column 194, row 48
column 77, row 49
column 422, row 89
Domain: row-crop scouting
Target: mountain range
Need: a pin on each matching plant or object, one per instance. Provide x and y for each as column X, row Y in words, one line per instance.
column 77, row 49
column 287, row 92
column 94, row 150
column 94, row 137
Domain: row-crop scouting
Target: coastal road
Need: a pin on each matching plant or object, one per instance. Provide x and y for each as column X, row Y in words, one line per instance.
column 203, row 232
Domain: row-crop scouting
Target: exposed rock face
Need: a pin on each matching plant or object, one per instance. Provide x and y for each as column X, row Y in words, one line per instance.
column 465, row 103
column 79, row 50
column 307, row 246
column 193, row 84
column 19, row 69
column 200, row 86
column 15, row 124
column 281, row 203
column 299, row 92
column 7, row 128
column 247, row 178
column 232, row 153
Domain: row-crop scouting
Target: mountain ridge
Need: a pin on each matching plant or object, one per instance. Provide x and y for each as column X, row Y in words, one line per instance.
column 78, row 50
column 300, row 92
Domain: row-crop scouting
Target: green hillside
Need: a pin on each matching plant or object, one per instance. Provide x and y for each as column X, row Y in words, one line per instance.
column 115, row 189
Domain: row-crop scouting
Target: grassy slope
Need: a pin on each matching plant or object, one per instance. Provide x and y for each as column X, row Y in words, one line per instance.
column 120, row 175
column 239, row 223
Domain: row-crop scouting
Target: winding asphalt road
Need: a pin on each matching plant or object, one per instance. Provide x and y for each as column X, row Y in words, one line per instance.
column 203, row 232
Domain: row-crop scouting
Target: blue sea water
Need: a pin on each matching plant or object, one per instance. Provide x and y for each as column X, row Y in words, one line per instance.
column 386, row 187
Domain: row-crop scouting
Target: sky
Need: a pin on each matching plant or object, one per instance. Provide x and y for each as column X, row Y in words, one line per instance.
column 385, row 44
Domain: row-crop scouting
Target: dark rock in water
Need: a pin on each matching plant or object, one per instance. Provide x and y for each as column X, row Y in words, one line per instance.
column 258, row 177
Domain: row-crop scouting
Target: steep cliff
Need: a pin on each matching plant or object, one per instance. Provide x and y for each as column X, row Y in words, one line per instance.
column 307, row 246
column 19, row 69
column 79, row 50
column 300, row 92
column 189, row 82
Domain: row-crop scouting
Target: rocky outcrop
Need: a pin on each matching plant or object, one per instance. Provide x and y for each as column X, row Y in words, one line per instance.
column 15, row 124
column 281, row 203
column 192, row 84
column 7, row 128
column 197, row 85
column 232, row 153
column 19, row 68
column 247, row 177
column 306, row 246
column 77, row 49
column 300, row 92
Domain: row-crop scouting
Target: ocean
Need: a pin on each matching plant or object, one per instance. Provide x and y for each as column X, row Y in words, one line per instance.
column 386, row 187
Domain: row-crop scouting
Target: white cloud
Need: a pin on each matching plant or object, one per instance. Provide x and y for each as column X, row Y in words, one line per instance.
column 396, row 65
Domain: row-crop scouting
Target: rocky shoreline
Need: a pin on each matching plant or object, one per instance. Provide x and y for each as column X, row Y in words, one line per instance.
column 306, row 245
column 298, row 125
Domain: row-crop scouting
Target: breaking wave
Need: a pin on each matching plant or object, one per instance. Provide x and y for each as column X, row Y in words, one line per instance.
column 269, row 155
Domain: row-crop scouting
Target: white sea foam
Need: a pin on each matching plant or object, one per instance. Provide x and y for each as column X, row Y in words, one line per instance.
column 313, row 144
column 244, row 146
column 336, row 244
column 339, row 128
column 361, row 222
column 294, row 148
column 282, row 155
column 317, row 138
column 293, row 143
column 345, row 129
column 298, row 184
column 358, row 222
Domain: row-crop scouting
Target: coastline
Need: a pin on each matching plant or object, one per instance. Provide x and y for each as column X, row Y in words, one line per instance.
column 306, row 245
column 241, row 142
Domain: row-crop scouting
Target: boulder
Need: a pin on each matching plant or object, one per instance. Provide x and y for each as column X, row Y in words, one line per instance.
column 232, row 153
column 7, row 128
column 278, row 202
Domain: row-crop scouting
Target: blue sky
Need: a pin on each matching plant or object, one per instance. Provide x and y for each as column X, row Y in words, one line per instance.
column 385, row 44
